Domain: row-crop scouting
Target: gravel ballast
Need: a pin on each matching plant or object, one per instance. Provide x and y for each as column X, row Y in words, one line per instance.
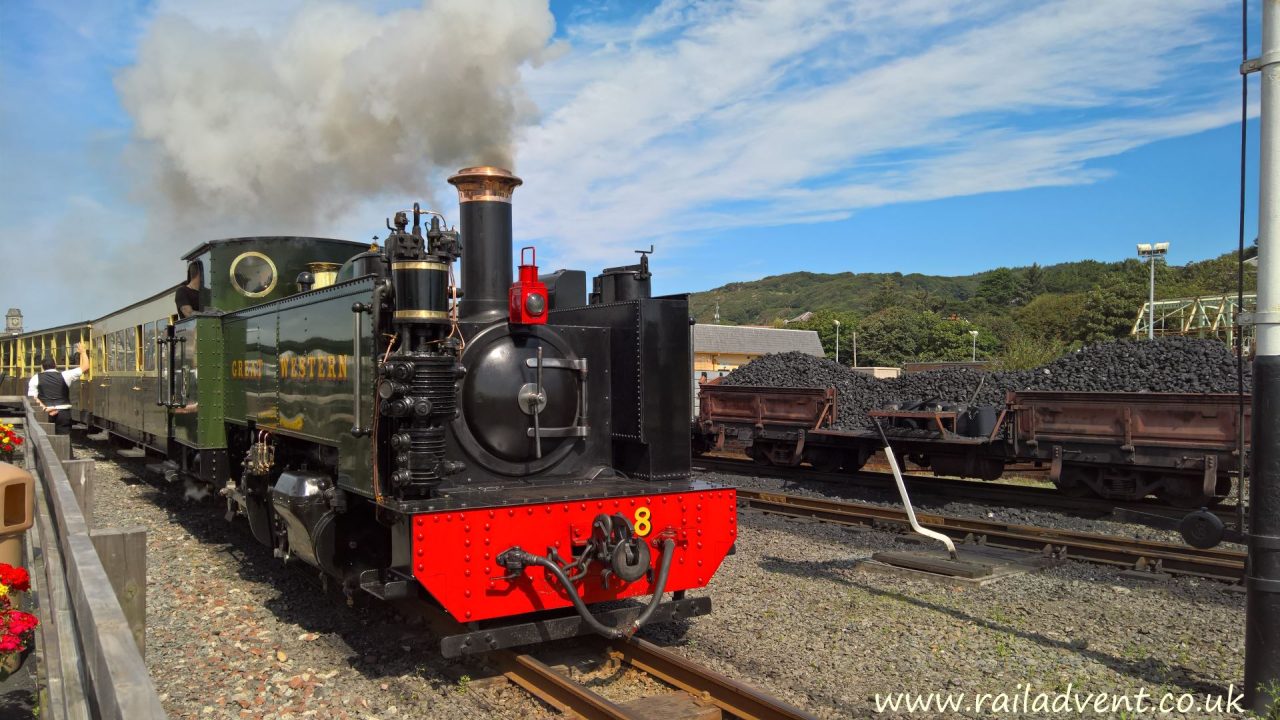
column 232, row 633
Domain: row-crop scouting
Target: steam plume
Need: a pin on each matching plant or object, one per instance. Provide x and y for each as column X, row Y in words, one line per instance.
column 255, row 132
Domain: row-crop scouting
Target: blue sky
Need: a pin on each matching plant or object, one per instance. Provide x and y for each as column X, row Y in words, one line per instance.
column 743, row 138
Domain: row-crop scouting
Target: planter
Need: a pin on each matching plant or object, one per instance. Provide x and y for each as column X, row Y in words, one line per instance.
column 11, row 663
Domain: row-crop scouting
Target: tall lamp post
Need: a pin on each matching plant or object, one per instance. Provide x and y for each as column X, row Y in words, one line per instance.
column 1262, row 599
column 855, row 348
column 837, row 322
column 1151, row 251
column 974, row 333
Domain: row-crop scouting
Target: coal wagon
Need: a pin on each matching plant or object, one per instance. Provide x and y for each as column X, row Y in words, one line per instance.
column 1179, row 447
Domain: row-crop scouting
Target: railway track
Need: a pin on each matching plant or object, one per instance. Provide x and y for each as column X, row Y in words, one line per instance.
column 689, row 691
column 708, row 694
column 956, row 489
column 1146, row 555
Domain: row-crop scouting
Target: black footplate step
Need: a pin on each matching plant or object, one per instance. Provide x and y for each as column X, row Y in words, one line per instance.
column 567, row 626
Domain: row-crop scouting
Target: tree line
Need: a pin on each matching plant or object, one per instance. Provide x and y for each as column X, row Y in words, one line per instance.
column 1024, row 316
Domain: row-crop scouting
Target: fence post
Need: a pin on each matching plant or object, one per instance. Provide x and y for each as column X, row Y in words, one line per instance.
column 47, row 427
column 123, row 552
column 81, row 474
column 61, row 446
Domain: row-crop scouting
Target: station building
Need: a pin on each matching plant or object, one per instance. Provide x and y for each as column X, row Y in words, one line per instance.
column 718, row 349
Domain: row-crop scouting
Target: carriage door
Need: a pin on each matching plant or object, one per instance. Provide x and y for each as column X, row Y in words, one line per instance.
column 166, row 362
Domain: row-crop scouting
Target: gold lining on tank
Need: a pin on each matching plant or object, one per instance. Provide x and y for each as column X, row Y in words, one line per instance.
column 485, row 184
column 419, row 265
column 422, row 314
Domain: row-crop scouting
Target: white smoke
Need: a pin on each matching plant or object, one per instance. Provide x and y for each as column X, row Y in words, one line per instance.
column 250, row 132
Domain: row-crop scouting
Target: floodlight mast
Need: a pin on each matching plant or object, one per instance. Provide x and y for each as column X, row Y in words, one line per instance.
column 1262, row 604
column 1151, row 252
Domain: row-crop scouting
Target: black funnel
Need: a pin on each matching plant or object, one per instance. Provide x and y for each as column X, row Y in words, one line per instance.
column 484, row 198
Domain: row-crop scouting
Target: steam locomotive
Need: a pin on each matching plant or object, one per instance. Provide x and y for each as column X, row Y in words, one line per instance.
column 515, row 454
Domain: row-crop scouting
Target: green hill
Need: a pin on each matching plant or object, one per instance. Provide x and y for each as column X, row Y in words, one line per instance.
column 1038, row 309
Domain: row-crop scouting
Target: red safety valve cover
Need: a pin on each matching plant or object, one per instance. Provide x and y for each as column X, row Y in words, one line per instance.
column 527, row 299
column 455, row 553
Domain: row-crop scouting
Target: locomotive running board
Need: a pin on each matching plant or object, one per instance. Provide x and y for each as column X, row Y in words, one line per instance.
column 537, row 631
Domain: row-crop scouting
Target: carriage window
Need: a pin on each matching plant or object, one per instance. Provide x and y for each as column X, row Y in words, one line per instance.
column 129, row 338
column 149, row 347
column 253, row 274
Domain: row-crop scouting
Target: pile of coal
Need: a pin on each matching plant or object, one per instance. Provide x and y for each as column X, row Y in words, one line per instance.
column 855, row 392
column 1177, row 365
column 956, row 385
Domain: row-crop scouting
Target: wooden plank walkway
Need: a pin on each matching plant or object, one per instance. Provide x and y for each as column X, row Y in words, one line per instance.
column 91, row 585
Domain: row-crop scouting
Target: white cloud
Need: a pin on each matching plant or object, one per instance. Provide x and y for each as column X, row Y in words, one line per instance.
column 707, row 116
column 691, row 118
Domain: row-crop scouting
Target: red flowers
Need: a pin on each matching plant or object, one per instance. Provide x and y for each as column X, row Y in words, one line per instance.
column 9, row 441
column 14, row 624
column 20, row 622
column 15, row 578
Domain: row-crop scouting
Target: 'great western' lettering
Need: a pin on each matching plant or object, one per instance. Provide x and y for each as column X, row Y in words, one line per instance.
column 317, row 366
column 246, row 369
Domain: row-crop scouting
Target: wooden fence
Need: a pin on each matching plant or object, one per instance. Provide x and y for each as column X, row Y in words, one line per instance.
column 91, row 585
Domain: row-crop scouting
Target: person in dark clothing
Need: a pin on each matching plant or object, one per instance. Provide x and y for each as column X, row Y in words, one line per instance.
column 187, row 297
column 51, row 390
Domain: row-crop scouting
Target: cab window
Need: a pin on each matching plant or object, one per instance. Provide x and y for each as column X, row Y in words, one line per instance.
column 253, row 274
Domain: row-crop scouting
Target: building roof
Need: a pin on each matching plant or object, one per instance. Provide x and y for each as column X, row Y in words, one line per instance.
column 754, row 340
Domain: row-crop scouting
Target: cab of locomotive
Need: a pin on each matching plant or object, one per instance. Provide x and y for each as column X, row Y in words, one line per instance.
column 246, row 271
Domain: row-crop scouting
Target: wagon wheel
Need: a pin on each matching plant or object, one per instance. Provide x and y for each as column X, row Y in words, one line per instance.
column 1074, row 482
column 826, row 462
column 1180, row 497
column 760, row 454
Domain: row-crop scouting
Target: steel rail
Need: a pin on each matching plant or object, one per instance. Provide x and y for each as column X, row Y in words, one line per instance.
column 971, row 490
column 735, row 699
column 1215, row 564
column 732, row 697
column 560, row 692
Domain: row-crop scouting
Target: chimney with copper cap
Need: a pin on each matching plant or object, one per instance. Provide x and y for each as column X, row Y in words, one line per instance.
column 484, row 197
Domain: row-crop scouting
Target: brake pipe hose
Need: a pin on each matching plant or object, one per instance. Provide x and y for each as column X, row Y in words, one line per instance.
column 518, row 556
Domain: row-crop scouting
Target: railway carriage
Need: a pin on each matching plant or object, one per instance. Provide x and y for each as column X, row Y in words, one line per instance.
column 20, row 356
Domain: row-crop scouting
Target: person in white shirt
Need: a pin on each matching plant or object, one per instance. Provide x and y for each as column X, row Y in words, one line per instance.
column 51, row 389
